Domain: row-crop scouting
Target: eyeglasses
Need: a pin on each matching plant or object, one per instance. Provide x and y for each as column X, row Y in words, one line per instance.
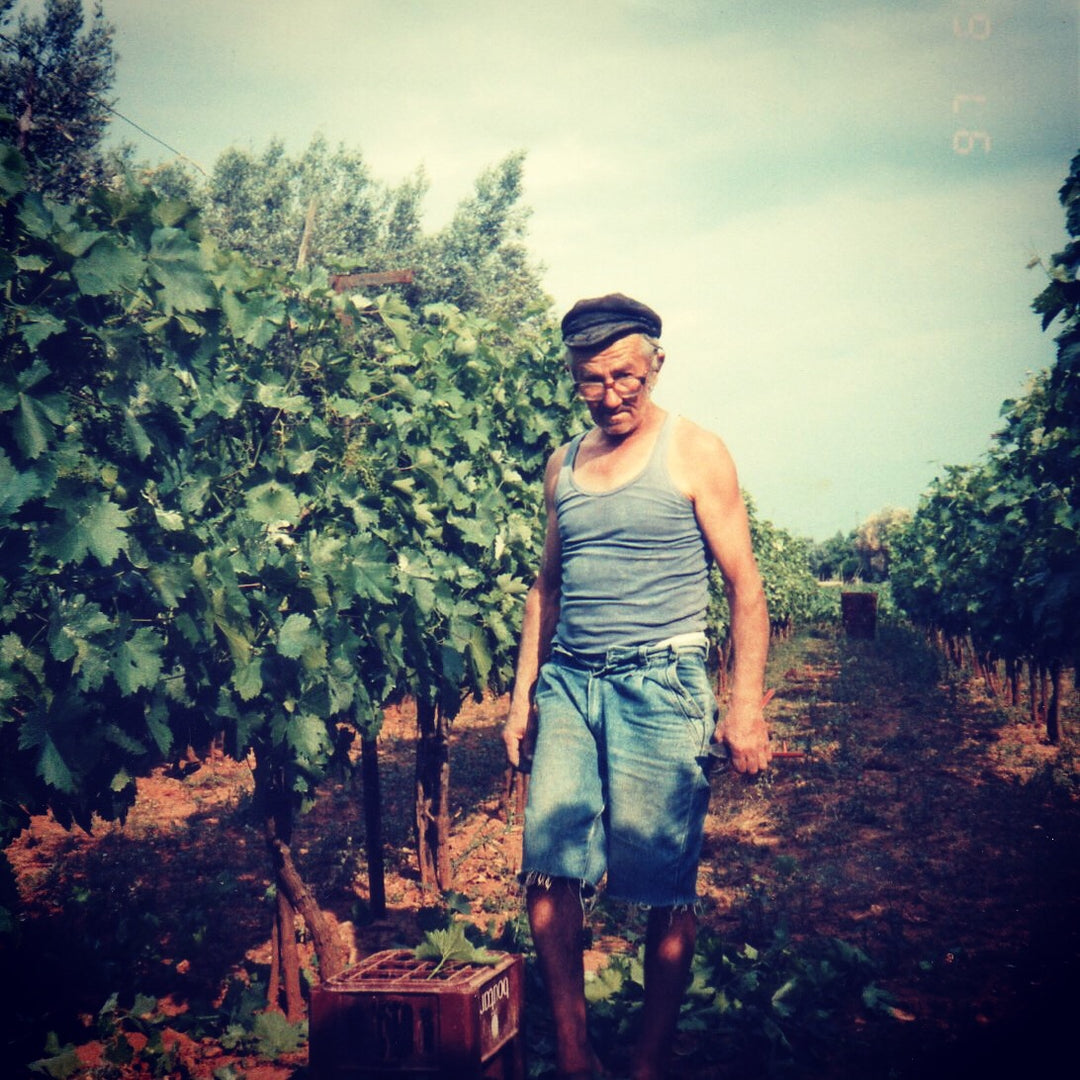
column 626, row 386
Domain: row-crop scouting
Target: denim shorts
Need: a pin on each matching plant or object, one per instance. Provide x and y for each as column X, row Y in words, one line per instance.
column 620, row 779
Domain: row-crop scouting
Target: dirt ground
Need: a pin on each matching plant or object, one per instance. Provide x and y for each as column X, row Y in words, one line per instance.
column 924, row 823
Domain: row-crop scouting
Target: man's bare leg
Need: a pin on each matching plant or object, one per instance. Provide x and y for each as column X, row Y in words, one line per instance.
column 556, row 918
column 669, row 952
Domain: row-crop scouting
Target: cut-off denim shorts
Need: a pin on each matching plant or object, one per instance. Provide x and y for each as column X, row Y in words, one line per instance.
column 620, row 779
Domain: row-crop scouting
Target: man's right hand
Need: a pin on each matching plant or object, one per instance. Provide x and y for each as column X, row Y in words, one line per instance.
column 519, row 736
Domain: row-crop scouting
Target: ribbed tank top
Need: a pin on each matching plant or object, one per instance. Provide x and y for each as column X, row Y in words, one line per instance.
column 634, row 563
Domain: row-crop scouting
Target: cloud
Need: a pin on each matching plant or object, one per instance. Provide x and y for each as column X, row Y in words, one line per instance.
column 843, row 292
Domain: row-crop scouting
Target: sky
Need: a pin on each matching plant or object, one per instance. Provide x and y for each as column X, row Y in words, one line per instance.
column 831, row 203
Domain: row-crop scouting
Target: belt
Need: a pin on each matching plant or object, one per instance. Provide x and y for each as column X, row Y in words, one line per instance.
column 623, row 655
column 681, row 641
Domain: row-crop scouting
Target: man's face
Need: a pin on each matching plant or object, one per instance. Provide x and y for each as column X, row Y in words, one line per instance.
column 629, row 361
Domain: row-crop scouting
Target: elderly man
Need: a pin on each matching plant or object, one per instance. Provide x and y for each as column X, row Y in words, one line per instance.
column 611, row 676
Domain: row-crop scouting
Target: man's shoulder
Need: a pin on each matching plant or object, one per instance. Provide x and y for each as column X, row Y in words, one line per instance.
column 699, row 459
column 692, row 439
column 558, row 456
column 555, row 464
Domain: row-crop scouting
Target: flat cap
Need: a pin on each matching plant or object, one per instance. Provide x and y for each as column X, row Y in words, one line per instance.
column 592, row 323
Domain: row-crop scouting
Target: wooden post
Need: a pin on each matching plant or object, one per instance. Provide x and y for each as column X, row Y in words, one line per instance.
column 369, row 756
column 305, row 240
column 344, row 282
column 433, row 797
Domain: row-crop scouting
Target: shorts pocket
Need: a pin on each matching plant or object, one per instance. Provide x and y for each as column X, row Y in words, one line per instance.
column 686, row 678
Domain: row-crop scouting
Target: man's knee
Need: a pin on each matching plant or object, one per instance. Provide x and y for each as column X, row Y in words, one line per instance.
column 552, row 900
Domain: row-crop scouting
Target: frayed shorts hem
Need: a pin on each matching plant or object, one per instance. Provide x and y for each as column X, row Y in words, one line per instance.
column 537, row 879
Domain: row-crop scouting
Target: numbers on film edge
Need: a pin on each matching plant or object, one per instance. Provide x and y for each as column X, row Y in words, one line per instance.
column 977, row 27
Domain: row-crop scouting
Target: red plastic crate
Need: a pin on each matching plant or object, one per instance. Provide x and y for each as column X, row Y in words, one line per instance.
column 393, row 1016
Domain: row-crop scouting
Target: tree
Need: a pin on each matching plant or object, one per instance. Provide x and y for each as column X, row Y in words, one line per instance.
column 222, row 510
column 872, row 542
column 323, row 209
column 791, row 591
column 479, row 261
column 1055, row 434
column 56, row 73
column 992, row 550
column 835, row 559
column 171, row 179
column 268, row 205
column 271, row 205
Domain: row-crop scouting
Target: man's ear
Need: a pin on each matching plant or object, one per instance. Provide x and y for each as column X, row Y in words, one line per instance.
column 658, row 359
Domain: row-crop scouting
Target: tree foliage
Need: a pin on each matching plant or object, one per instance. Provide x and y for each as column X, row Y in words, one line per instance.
column 835, row 559
column 224, row 510
column 479, row 260
column 864, row 554
column 260, row 204
column 324, row 210
column 791, row 591
column 271, row 206
column 56, row 72
column 872, row 542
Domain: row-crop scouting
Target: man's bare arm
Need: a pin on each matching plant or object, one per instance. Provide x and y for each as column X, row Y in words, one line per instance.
column 705, row 469
column 537, row 630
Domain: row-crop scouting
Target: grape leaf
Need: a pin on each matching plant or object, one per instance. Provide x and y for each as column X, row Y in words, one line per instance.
column 307, row 737
column 16, row 487
column 247, row 679
column 296, row 636
column 451, row 944
column 95, row 526
column 39, row 325
column 51, row 766
column 108, row 268
column 273, row 502
column 176, row 265
column 372, row 578
column 136, row 663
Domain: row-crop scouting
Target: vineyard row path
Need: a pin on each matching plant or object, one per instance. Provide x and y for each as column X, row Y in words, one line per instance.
column 926, row 824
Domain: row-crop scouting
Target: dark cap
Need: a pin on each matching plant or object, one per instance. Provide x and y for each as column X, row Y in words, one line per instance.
column 591, row 323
